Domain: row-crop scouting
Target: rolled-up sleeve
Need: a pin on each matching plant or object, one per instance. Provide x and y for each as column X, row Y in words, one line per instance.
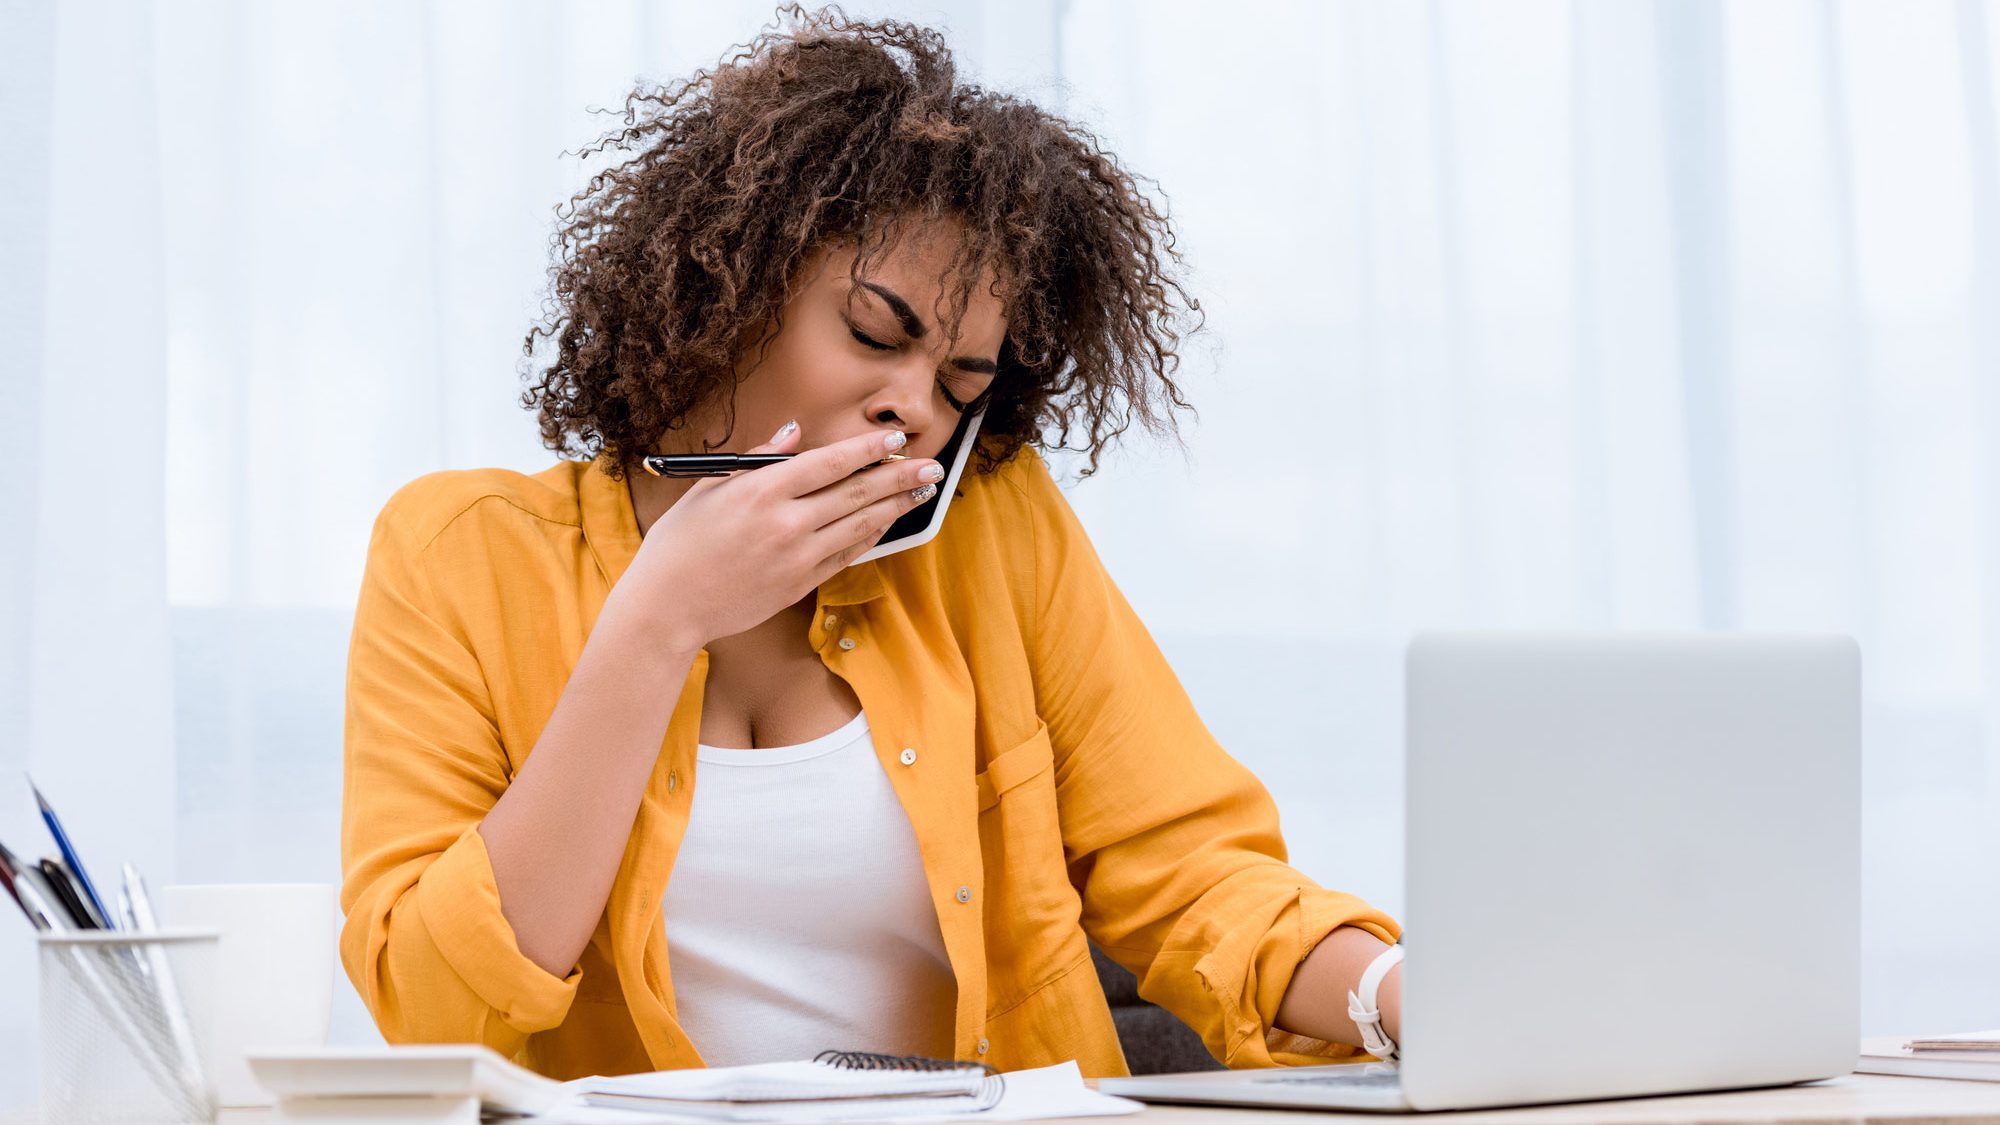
column 424, row 939
column 1172, row 843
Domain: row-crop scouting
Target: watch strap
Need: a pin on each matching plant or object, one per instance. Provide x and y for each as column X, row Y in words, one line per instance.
column 1363, row 1010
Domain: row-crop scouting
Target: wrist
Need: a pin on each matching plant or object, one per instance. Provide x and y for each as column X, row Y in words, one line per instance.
column 1389, row 998
column 636, row 636
column 1316, row 1002
column 1365, row 1004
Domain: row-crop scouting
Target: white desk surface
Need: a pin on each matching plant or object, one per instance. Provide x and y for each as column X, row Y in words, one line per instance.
column 1851, row 1100
column 1854, row 1099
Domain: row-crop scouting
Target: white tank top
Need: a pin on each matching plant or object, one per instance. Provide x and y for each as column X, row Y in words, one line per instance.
column 797, row 916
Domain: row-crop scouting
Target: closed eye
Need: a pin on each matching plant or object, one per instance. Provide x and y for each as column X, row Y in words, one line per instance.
column 864, row 338
column 869, row 341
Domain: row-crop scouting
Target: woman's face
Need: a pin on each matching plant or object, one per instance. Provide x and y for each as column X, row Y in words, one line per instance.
column 850, row 357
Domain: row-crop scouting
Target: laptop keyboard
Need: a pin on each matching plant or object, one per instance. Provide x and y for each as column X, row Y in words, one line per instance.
column 1378, row 1080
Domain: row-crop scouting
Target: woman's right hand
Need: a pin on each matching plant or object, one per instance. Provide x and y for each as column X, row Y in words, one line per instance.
column 734, row 551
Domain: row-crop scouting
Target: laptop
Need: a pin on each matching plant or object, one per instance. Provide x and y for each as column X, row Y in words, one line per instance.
column 1633, row 867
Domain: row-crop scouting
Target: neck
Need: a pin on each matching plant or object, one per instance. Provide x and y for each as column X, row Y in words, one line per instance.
column 652, row 496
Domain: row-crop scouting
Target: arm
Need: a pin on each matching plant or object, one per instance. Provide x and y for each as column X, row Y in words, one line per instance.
column 557, row 834
column 1316, row 1003
column 430, row 937
column 1173, row 844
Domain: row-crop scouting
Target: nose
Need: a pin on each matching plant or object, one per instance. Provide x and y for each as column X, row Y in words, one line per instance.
column 909, row 401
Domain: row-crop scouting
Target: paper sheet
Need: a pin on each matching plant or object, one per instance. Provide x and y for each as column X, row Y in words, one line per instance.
column 1050, row 1091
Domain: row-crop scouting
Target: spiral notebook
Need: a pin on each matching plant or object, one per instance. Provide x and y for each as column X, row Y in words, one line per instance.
column 838, row 1086
column 834, row 1085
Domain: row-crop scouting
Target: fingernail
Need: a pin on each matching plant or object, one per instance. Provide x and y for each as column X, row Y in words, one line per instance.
column 932, row 471
column 922, row 494
column 894, row 440
column 785, row 429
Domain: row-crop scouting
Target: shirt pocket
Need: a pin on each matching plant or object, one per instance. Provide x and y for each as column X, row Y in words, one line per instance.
column 1032, row 915
column 1014, row 766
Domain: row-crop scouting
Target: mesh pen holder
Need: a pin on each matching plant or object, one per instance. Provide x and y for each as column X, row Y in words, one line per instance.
column 125, row 1027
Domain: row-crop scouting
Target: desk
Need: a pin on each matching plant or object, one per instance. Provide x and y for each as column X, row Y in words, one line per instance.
column 1850, row 1100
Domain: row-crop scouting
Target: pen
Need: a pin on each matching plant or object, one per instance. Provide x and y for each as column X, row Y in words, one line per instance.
column 42, row 914
column 75, row 862
column 162, row 974
column 55, row 873
column 180, row 1076
column 722, row 464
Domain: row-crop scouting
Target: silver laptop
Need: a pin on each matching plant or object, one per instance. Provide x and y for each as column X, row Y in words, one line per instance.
column 1633, row 867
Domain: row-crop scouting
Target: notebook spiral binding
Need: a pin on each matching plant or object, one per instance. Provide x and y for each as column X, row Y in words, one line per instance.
column 990, row 1090
column 877, row 1060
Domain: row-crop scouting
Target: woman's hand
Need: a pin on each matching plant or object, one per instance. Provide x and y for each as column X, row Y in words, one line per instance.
column 734, row 551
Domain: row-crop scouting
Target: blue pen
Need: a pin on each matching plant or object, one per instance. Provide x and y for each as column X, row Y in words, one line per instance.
column 70, row 857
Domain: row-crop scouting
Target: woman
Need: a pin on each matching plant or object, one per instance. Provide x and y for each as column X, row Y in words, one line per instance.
column 927, row 781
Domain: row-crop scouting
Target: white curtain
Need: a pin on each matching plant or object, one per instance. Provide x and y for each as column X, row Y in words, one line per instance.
column 1624, row 314
column 1586, row 314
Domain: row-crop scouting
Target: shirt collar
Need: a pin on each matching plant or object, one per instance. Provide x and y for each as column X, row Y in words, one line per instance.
column 611, row 529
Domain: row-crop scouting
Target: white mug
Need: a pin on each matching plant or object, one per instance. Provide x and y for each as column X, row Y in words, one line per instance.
column 274, row 970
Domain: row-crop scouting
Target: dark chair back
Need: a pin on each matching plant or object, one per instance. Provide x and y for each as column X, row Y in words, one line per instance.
column 1154, row 1039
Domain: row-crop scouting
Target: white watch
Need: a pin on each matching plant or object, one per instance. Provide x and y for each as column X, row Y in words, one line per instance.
column 1363, row 1010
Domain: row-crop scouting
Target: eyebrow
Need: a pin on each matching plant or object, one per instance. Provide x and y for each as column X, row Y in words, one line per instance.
column 915, row 327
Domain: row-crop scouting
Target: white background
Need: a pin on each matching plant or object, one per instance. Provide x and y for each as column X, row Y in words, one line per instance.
column 1606, row 314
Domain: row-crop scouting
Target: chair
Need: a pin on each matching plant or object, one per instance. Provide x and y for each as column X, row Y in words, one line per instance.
column 1154, row 1039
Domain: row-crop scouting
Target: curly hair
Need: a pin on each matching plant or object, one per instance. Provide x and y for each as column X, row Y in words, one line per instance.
column 667, row 263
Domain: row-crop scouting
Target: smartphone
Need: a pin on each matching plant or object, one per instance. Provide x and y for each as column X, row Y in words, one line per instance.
column 920, row 524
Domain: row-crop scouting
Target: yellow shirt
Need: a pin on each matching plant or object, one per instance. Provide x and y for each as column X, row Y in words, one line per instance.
column 1062, row 787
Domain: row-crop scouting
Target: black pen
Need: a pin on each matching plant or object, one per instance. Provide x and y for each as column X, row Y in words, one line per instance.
column 722, row 464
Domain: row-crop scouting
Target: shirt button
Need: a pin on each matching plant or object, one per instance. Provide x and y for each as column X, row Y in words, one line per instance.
column 965, row 894
column 908, row 756
column 846, row 643
column 982, row 1045
column 832, row 619
column 673, row 780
